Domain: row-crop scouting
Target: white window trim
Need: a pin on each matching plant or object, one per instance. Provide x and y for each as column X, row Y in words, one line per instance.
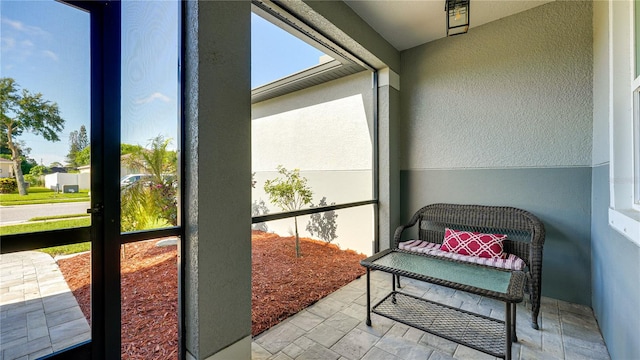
column 624, row 213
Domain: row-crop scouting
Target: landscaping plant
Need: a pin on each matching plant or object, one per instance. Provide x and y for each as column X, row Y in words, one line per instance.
column 8, row 185
column 151, row 202
column 290, row 193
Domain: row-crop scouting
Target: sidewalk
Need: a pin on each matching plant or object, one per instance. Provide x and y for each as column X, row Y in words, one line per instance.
column 38, row 313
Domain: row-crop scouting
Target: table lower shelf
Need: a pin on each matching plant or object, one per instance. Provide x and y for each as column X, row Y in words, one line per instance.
column 473, row 330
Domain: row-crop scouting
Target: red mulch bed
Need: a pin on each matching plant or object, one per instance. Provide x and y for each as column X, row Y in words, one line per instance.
column 282, row 285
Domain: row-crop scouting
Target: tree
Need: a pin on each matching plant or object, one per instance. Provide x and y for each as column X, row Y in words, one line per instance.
column 36, row 173
column 24, row 111
column 289, row 193
column 83, row 138
column 78, row 141
column 323, row 224
column 83, row 157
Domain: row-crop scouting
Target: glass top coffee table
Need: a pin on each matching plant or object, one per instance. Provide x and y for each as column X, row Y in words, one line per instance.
column 480, row 332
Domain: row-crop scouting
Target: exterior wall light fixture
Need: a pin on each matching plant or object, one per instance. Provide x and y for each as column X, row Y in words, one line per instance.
column 457, row 16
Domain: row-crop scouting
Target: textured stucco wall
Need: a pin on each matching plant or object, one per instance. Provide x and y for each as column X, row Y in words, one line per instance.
column 615, row 264
column 600, row 152
column 560, row 197
column 615, row 268
column 218, row 169
column 503, row 115
column 326, row 131
column 388, row 165
column 516, row 92
column 325, row 127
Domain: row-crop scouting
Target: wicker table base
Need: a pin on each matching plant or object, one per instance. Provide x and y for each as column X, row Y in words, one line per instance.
column 473, row 330
column 476, row 331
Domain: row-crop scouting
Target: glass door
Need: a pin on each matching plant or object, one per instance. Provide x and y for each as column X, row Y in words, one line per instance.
column 149, row 184
column 89, row 182
column 47, row 134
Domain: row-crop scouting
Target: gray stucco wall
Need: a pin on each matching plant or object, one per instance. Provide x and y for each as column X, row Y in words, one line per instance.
column 503, row 116
column 615, row 266
column 560, row 197
column 388, row 165
column 615, row 270
column 218, row 169
column 516, row 92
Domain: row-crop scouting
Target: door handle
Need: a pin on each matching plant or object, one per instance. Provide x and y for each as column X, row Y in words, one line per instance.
column 97, row 209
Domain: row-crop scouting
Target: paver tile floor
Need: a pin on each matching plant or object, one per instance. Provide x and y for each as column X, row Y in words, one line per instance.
column 38, row 313
column 334, row 328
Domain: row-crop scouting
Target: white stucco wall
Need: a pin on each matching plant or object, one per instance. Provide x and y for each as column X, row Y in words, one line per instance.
column 52, row 181
column 354, row 225
column 332, row 135
column 326, row 132
column 511, row 93
column 325, row 127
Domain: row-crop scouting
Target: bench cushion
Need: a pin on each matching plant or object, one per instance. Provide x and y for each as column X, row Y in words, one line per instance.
column 510, row 261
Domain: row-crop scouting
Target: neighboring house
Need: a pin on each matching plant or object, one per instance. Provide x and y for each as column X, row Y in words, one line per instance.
column 84, row 169
column 59, row 181
column 124, row 169
column 6, row 168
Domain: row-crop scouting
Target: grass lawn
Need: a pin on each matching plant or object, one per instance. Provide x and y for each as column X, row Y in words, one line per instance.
column 52, row 225
column 68, row 249
column 44, row 226
column 40, row 195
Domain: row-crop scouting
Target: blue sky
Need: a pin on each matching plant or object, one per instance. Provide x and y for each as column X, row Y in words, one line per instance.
column 276, row 53
column 50, row 57
column 45, row 48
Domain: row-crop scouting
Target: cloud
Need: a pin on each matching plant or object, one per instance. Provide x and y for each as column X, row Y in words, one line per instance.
column 19, row 40
column 153, row 97
column 7, row 43
column 50, row 54
column 20, row 26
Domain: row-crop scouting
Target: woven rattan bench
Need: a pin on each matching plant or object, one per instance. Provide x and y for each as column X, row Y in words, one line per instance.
column 525, row 235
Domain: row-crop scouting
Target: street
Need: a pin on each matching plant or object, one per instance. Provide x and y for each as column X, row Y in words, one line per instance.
column 20, row 213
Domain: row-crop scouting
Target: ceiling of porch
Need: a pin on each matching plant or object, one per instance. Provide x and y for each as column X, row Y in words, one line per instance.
column 409, row 23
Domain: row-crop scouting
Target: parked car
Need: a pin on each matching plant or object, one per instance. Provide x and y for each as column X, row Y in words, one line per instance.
column 132, row 178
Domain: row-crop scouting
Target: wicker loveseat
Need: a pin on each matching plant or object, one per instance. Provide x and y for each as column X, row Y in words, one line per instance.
column 525, row 235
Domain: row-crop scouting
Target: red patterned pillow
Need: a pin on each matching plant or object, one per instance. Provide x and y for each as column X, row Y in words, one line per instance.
column 473, row 243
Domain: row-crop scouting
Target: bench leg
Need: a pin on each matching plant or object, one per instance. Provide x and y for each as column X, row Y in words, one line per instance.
column 513, row 322
column 509, row 332
column 368, row 298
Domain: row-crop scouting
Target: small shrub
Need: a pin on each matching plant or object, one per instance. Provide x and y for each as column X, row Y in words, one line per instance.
column 8, row 185
column 290, row 193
